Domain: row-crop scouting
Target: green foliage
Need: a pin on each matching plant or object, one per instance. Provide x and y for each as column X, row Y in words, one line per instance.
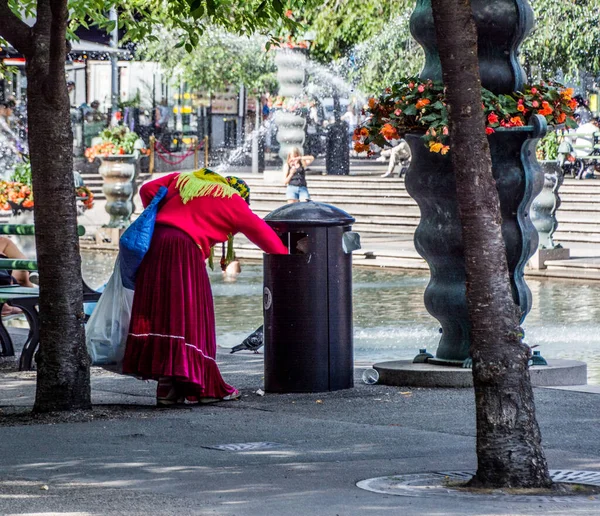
column 121, row 137
column 381, row 60
column 566, row 38
column 22, row 173
column 341, row 24
column 547, row 148
column 369, row 41
column 219, row 59
column 189, row 18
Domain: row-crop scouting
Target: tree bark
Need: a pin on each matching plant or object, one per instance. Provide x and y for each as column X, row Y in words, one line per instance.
column 509, row 450
column 63, row 380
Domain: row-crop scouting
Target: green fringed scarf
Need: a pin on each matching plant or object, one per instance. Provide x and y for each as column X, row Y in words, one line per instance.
column 202, row 183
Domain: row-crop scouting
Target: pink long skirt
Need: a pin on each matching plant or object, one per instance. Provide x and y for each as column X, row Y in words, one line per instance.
column 172, row 330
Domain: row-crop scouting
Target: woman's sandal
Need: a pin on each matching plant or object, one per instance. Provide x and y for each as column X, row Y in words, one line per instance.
column 167, row 394
column 233, row 396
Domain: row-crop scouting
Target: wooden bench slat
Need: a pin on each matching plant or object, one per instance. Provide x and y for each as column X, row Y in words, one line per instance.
column 27, row 229
column 10, row 264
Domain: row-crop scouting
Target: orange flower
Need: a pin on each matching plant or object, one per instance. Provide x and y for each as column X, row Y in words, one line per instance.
column 516, row 121
column 445, row 149
column 561, row 117
column 435, row 146
column 389, row 132
column 521, row 108
column 572, row 103
column 546, row 109
column 361, row 147
column 421, row 103
column 28, row 203
column 372, row 103
column 567, row 94
column 364, row 132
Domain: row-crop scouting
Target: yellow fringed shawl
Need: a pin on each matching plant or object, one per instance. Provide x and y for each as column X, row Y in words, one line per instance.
column 202, row 183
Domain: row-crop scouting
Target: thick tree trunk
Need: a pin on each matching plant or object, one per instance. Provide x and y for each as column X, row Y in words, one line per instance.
column 509, row 450
column 63, row 381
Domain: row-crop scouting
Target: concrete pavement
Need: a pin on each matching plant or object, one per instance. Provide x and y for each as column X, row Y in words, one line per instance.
column 130, row 458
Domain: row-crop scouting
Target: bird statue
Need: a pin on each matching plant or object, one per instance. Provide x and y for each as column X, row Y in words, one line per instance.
column 252, row 342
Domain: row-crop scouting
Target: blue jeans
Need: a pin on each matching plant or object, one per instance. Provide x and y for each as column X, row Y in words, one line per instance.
column 297, row 193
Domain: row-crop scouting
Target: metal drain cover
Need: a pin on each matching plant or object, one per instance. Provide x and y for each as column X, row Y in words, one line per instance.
column 243, row 446
column 434, row 484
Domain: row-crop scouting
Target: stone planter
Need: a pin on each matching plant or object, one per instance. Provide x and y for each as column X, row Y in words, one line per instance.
column 545, row 205
column 291, row 75
column 119, row 174
column 543, row 216
column 438, row 238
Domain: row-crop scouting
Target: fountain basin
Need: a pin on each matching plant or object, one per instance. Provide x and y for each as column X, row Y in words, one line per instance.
column 405, row 373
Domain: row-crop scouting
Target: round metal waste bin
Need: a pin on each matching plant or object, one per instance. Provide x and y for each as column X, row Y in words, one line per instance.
column 308, row 300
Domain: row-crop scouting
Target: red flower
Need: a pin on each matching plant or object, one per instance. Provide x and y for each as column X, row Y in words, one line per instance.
column 489, row 130
column 534, row 91
column 492, row 118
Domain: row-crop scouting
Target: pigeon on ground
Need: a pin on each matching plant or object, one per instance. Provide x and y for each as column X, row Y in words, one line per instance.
column 252, row 343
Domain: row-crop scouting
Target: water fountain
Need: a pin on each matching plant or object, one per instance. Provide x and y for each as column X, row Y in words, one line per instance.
column 291, row 75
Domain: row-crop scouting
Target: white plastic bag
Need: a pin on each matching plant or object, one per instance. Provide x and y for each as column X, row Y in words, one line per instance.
column 107, row 329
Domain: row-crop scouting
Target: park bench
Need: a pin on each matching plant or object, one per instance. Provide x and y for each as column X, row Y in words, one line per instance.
column 27, row 299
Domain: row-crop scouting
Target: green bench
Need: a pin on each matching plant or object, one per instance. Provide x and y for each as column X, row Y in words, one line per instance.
column 27, row 299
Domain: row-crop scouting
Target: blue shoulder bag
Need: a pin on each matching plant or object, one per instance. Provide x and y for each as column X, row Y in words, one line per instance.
column 135, row 241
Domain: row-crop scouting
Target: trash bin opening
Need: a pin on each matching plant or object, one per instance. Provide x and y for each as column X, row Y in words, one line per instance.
column 297, row 242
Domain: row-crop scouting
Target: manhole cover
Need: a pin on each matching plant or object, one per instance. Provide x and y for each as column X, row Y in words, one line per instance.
column 434, row 484
column 243, row 446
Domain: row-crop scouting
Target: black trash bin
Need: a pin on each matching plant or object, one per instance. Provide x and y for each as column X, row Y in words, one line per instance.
column 308, row 300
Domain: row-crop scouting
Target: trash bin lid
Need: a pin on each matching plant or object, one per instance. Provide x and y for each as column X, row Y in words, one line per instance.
column 302, row 214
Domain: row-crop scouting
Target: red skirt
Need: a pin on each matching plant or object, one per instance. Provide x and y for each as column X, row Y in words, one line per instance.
column 172, row 329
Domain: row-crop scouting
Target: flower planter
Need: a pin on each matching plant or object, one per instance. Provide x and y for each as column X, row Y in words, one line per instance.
column 546, row 204
column 118, row 173
column 438, row 238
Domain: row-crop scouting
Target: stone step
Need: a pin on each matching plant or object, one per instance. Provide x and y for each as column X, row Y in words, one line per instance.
column 390, row 201
column 361, row 195
column 569, row 227
column 564, row 237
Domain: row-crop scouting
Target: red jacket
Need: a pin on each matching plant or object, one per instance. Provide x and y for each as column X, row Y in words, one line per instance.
column 208, row 220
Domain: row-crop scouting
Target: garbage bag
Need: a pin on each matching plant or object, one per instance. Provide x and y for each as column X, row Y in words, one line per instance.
column 107, row 329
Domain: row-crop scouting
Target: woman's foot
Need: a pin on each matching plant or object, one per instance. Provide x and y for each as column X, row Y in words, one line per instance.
column 233, row 396
column 166, row 393
column 10, row 310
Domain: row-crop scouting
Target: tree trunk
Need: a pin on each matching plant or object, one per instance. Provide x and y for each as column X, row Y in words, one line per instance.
column 63, row 381
column 509, row 450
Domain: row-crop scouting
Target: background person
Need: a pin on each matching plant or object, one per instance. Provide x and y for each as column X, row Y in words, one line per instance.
column 172, row 337
column 399, row 155
column 295, row 175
